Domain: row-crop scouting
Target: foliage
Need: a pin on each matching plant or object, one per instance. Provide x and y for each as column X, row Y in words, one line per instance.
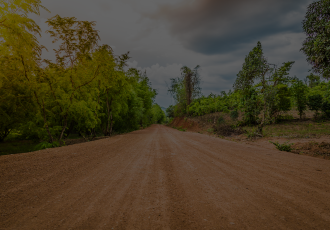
column 316, row 26
column 313, row 80
column 158, row 115
column 185, row 89
column 210, row 104
column 19, row 58
column 300, row 90
column 283, row 147
column 46, row 145
column 326, row 108
column 315, row 103
column 269, row 95
column 170, row 111
column 87, row 90
column 253, row 133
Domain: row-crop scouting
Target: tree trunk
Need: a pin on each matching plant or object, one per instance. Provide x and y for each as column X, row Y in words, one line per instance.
column 63, row 129
column 109, row 110
column 111, row 124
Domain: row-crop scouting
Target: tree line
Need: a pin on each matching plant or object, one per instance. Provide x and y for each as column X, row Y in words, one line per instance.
column 263, row 91
column 86, row 90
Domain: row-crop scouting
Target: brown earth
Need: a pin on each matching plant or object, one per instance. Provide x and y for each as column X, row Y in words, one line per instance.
column 162, row 178
column 312, row 146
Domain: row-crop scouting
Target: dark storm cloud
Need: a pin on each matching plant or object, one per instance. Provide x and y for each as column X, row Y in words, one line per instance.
column 217, row 26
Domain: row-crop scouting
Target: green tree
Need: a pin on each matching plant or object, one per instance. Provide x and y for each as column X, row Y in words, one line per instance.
column 170, row 111
column 64, row 87
column 262, row 97
column 158, row 114
column 313, row 80
column 20, row 60
column 300, row 96
column 314, row 103
column 317, row 29
column 185, row 89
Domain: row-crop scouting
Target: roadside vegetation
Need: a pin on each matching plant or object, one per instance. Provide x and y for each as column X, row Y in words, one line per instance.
column 265, row 100
column 87, row 90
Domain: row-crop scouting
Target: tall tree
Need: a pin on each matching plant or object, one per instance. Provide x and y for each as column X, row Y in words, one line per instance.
column 185, row 89
column 64, row 88
column 20, row 60
column 317, row 44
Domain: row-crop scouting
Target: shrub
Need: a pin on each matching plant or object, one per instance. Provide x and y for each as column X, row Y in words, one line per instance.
column 210, row 130
column 253, row 133
column 315, row 103
column 46, row 145
column 326, row 108
column 283, row 147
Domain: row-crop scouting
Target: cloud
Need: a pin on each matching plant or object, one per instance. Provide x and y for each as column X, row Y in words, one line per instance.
column 217, row 26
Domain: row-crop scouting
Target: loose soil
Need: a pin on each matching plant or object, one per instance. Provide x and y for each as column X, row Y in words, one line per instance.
column 162, row 178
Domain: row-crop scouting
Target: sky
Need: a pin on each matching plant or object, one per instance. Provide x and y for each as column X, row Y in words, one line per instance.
column 165, row 35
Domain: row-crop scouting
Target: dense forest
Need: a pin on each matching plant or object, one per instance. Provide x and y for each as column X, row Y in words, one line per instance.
column 263, row 92
column 87, row 90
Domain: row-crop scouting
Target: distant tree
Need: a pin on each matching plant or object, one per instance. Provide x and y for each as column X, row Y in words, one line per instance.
column 170, row 111
column 300, row 96
column 185, row 89
column 313, row 80
column 317, row 44
column 158, row 115
column 264, row 96
column 314, row 103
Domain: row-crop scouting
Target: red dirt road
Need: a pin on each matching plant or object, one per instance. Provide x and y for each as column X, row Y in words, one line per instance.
column 161, row 178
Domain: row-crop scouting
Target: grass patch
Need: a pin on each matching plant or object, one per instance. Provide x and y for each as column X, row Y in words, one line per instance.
column 283, row 147
column 295, row 129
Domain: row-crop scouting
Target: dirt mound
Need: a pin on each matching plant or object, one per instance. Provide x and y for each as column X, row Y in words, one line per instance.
column 185, row 123
column 313, row 148
column 227, row 130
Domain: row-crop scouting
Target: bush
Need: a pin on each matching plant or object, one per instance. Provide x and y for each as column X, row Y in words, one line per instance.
column 315, row 103
column 253, row 133
column 326, row 108
column 283, row 147
column 46, row 145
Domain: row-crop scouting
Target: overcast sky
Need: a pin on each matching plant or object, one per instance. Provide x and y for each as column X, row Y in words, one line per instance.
column 164, row 35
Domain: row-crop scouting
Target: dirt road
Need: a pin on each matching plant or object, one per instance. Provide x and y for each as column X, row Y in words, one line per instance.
column 161, row 178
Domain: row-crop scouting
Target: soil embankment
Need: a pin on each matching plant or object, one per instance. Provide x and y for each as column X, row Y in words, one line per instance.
column 161, row 178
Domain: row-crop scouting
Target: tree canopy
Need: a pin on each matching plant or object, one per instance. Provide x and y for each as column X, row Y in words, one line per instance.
column 316, row 26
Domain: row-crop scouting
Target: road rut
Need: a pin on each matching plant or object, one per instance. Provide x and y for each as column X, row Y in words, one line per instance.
column 161, row 178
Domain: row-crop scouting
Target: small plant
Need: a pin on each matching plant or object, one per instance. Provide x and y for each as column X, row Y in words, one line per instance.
column 46, row 145
column 283, row 147
column 315, row 103
column 210, row 130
